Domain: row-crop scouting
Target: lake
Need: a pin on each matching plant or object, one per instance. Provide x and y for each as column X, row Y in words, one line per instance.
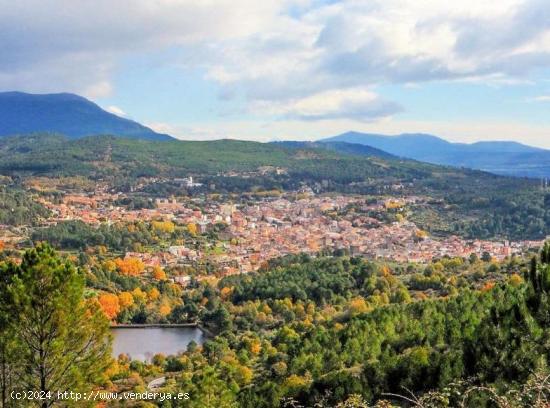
column 142, row 343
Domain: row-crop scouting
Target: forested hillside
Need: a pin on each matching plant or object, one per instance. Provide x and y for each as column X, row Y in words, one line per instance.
column 314, row 332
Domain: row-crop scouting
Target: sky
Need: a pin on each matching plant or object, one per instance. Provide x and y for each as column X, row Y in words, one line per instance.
column 266, row 70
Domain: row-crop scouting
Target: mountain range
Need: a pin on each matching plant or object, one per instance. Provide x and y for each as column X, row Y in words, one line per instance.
column 499, row 157
column 67, row 114
column 75, row 117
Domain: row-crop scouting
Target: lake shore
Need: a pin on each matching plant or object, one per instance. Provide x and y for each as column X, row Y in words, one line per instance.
column 153, row 325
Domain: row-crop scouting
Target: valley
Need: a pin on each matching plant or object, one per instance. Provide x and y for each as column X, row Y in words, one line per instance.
column 310, row 273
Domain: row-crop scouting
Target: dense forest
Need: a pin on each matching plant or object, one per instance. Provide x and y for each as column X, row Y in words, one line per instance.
column 18, row 208
column 327, row 331
column 318, row 332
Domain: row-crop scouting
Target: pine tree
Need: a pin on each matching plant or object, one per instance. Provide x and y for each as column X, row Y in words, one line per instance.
column 63, row 339
column 8, row 363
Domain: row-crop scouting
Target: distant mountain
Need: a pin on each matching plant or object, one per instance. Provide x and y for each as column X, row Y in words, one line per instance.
column 507, row 158
column 340, row 147
column 65, row 113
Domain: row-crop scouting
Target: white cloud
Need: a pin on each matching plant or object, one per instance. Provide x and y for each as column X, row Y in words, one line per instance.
column 317, row 62
column 116, row 110
column 541, row 98
column 355, row 44
column 75, row 45
column 360, row 104
column 167, row 128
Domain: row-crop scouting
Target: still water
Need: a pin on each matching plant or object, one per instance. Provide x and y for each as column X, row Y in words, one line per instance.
column 142, row 343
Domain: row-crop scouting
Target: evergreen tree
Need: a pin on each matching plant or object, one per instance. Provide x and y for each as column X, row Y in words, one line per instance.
column 63, row 341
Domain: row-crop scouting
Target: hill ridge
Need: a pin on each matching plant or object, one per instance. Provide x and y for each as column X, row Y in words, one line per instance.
column 65, row 113
column 502, row 157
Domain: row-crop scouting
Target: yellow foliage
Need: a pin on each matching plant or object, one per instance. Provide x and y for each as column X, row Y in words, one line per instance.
column 338, row 326
column 421, row 234
column 130, row 266
column 153, row 294
column 261, row 318
column 296, row 382
column 255, row 347
column 192, row 228
column 515, row 280
column 113, row 369
column 386, row 271
column 264, row 308
column 164, row 226
column 176, row 289
column 139, row 295
column 244, row 375
column 358, row 305
column 109, row 265
column 165, row 310
column 300, row 311
column 393, row 204
column 125, row 299
column 438, row 267
column 158, row 273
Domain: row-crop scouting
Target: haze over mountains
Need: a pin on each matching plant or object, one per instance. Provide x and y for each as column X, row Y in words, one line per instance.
column 65, row 113
column 500, row 157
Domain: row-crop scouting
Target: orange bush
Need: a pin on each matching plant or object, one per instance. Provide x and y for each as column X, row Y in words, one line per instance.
column 225, row 292
column 488, row 286
column 159, row 274
column 255, row 346
column 165, row 310
column 109, row 305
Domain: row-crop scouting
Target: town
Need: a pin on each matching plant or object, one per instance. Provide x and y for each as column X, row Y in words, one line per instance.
column 256, row 230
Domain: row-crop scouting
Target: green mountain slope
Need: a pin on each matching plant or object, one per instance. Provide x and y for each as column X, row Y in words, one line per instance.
column 65, row 113
column 341, row 147
column 104, row 156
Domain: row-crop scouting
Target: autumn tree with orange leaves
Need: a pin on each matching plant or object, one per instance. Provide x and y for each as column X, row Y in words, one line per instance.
column 110, row 305
column 130, row 266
